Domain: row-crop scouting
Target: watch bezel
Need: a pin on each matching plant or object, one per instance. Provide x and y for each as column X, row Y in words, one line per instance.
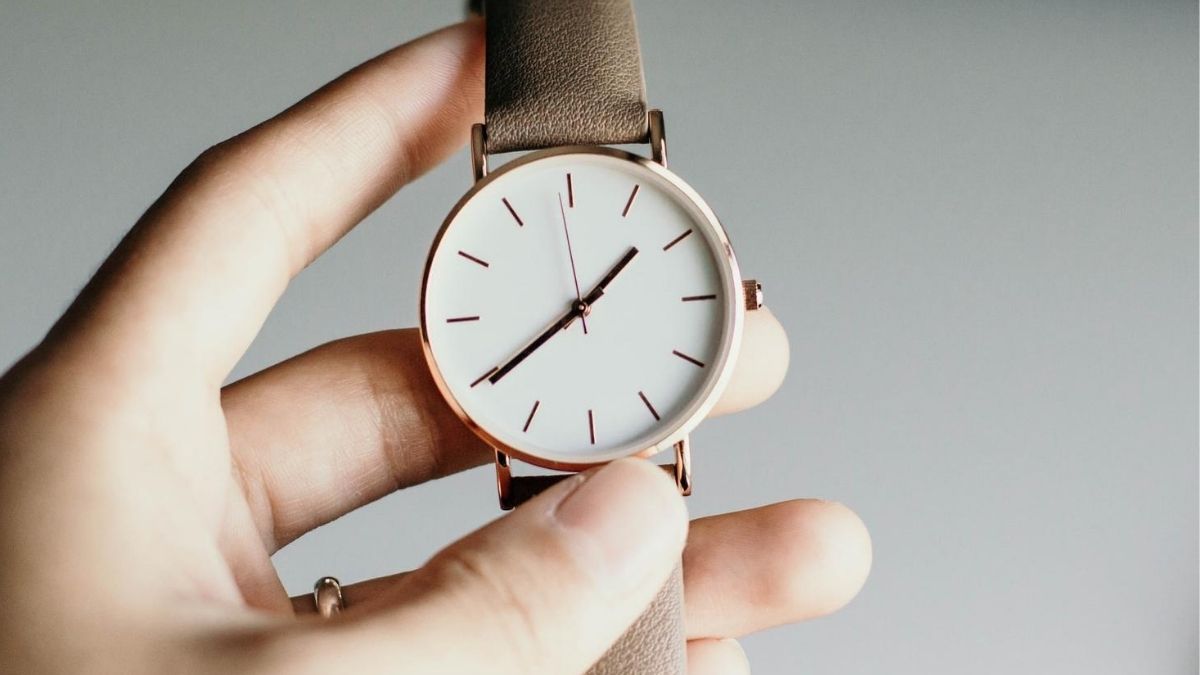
column 733, row 294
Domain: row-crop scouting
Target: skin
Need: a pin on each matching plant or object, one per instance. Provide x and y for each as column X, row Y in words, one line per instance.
column 140, row 500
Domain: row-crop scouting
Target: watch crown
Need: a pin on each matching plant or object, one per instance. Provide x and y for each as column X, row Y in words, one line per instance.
column 753, row 292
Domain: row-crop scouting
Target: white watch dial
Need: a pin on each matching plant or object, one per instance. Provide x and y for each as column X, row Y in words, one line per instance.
column 580, row 307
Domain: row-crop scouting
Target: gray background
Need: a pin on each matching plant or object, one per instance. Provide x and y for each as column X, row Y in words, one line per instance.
column 976, row 219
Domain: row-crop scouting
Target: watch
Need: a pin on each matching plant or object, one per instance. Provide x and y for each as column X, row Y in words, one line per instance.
column 580, row 303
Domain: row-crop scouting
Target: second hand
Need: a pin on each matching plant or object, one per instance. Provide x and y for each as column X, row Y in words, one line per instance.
column 571, row 256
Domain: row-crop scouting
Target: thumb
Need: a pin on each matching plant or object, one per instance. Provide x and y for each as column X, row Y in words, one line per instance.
column 546, row 589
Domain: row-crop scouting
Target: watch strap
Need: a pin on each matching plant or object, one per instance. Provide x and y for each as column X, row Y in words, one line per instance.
column 655, row 644
column 566, row 72
column 523, row 488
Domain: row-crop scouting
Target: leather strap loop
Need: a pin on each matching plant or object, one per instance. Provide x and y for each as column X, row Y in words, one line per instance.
column 562, row 72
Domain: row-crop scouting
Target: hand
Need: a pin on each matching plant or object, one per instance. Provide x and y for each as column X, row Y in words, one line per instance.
column 140, row 501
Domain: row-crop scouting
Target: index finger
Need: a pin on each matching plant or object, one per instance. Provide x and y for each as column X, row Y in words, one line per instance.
column 194, row 280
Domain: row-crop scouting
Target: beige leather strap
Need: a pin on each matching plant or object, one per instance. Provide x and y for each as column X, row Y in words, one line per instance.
column 655, row 644
column 562, row 72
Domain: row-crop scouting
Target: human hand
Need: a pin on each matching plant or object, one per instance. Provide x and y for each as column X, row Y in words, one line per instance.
column 140, row 501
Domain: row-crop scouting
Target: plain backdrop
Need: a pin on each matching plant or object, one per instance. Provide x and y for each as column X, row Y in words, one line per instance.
column 978, row 221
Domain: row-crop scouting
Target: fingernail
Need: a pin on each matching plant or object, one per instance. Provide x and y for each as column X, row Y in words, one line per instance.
column 629, row 515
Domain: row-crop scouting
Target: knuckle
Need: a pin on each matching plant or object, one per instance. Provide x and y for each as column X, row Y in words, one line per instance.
column 211, row 161
column 237, row 171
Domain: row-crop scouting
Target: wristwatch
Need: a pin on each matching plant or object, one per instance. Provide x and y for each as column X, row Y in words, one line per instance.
column 581, row 303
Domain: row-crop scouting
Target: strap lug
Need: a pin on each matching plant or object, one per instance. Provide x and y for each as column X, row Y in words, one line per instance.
column 658, row 136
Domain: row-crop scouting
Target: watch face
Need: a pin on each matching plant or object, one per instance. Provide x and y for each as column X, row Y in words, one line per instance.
column 581, row 305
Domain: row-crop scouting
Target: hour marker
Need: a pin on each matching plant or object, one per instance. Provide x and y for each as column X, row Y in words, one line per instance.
column 529, row 419
column 513, row 211
column 484, row 377
column 570, row 193
column 676, row 240
column 649, row 406
column 592, row 427
column 694, row 298
column 687, row 358
column 473, row 259
column 629, row 203
column 460, row 319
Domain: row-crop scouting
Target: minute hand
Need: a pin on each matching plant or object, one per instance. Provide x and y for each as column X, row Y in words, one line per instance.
column 598, row 291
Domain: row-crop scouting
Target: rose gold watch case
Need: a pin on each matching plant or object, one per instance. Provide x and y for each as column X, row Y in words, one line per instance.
column 700, row 408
